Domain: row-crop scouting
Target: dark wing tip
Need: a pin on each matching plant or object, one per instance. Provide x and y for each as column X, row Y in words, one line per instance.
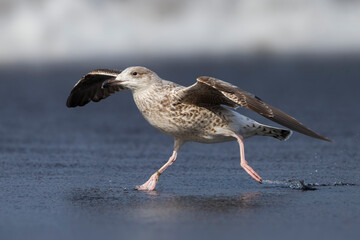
column 68, row 103
column 326, row 139
column 317, row 136
column 89, row 88
column 286, row 120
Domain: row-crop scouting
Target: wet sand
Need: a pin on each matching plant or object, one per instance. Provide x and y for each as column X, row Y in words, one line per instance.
column 70, row 173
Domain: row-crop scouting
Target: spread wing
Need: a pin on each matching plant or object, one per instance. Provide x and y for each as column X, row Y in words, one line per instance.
column 89, row 87
column 213, row 91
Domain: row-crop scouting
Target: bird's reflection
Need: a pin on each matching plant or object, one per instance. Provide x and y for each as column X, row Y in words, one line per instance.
column 208, row 203
column 160, row 206
column 175, row 207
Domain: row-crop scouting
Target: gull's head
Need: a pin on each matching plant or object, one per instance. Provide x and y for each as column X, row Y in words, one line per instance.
column 135, row 78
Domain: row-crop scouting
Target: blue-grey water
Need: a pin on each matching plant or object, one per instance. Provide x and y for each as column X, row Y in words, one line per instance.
column 69, row 173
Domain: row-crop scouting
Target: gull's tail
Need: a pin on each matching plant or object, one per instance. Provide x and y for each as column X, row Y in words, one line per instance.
column 278, row 133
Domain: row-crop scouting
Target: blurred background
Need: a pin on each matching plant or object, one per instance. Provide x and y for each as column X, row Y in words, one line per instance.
column 69, row 173
column 51, row 30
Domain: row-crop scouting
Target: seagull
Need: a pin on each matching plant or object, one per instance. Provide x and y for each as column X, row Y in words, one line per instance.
column 203, row 112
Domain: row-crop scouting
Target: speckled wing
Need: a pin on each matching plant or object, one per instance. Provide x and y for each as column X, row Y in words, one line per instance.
column 89, row 87
column 210, row 90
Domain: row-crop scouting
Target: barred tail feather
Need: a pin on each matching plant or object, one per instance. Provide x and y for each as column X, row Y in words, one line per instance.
column 278, row 133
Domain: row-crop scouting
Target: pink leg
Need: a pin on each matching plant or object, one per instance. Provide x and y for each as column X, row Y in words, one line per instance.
column 244, row 163
column 150, row 184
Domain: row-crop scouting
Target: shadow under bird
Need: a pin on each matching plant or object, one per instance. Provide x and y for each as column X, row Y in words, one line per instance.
column 199, row 113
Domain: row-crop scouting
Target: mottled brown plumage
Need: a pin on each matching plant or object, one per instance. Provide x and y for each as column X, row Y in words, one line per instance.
column 214, row 91
column 194, row 113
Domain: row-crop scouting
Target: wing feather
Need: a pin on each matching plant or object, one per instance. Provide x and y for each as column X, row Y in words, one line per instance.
column 89, row 87
column 227, row 94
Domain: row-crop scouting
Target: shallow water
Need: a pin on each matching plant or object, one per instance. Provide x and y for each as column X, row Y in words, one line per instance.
column 70, row 173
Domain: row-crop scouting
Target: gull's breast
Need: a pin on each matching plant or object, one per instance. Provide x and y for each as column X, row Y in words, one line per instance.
column 186, row 121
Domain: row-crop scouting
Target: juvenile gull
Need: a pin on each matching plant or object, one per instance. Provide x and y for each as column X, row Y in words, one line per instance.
column 196, row 113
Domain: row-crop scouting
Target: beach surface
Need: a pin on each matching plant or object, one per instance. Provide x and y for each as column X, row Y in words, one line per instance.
column 70, row 173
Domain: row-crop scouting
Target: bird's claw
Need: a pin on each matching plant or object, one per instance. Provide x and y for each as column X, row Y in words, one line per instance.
column 150, row 184
column 251, row 172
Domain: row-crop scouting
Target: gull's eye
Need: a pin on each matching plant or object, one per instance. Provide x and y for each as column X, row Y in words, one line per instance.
column 134, row 73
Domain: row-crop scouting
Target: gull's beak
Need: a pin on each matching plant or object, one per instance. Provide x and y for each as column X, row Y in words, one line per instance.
column 111, row 82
